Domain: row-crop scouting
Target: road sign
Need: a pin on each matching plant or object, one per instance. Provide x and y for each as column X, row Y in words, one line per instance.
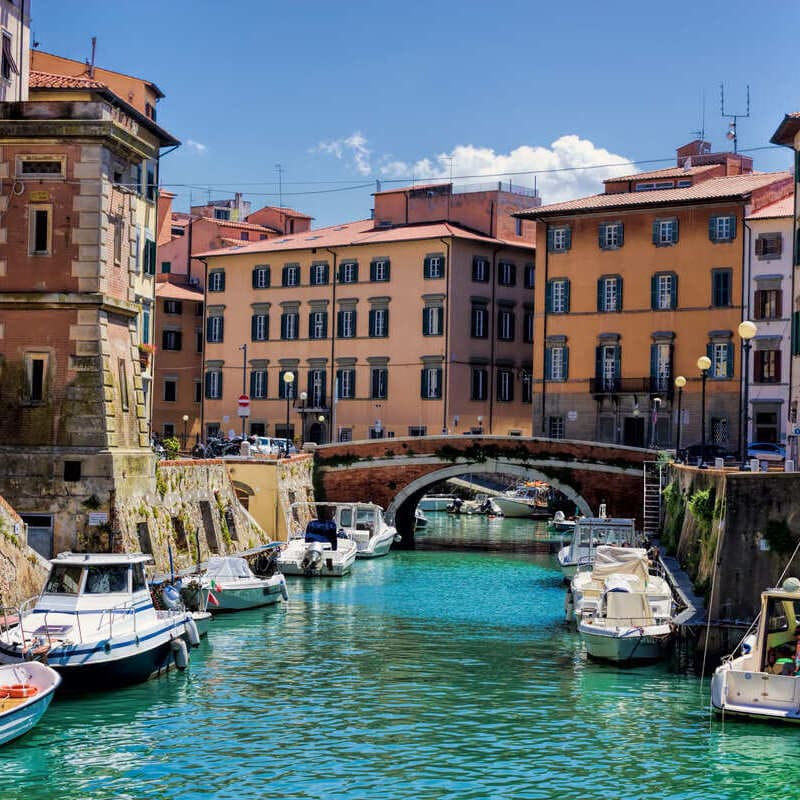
column 244, row 405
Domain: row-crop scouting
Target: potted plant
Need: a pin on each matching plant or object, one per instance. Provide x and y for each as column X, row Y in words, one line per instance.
column 172, row 446
column 145, row 351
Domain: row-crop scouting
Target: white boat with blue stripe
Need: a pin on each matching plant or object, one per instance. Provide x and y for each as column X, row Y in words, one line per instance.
column 95, row 624
column 25, row 693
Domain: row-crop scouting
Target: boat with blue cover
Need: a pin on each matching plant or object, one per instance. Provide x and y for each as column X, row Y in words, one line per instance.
column 95, row 624
column 25, row 694
column 318, row 546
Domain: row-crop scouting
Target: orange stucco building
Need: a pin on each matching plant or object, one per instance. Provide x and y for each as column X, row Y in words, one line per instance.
column 635, row 284
column 416, row 321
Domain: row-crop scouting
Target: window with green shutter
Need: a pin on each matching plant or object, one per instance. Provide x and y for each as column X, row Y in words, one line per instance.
column 559, row 238
column 664, row 291
column 149, row 257
column 259, row 328
column 721, row 287
column 379, row 270
column 479, row 383
column 433, row 266
column 665, row 232
column 261, row 277
column 722, row 228
column 216, row 280
column 379, row 380
column 610, row 235
column 557, row 296
column 433, row 321
column 258, row 384
column 348, row 272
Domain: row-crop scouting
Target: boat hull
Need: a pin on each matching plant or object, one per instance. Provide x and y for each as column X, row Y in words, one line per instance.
column 435, row 503
column 625, row 645
column 294, row 560
column 17, row 718
column 514, row 508
column 756, row 695
column 241, row 598
column 378, row 546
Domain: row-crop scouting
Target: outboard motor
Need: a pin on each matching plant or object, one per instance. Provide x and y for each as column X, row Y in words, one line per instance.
column 312, row 558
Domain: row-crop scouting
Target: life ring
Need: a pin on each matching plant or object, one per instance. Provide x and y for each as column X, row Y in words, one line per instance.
column 18, row 690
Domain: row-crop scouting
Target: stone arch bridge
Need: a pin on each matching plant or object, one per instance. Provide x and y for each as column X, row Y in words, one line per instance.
column 396, row 473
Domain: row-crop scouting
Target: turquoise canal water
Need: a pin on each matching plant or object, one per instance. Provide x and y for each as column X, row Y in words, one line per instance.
column 426, row 674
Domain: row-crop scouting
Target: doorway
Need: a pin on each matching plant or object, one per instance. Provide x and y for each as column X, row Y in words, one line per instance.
column 40, row 533
column 633, row 432
column 315, row 433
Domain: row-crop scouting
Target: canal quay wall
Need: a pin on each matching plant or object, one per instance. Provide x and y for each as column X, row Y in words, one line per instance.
column 22, row 569
column 733, row 533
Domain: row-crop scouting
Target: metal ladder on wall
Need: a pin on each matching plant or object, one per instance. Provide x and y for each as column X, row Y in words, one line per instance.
column 652, row 506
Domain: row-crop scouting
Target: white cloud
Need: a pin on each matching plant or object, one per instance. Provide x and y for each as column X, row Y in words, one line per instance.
column 570, row 167
column 196, row 146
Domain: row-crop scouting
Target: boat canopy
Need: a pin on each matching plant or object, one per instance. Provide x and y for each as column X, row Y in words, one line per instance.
column 227, row 567
column 611, row 560
column 628, row 608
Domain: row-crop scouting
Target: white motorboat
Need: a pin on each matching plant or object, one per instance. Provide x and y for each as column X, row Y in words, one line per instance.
column 25, row 693
column 420, row 520
column 234, row 587
column 588, row 534
column 560, row 523
column 525, row 500
column 760, row 683
column 317, row 545
column 95, row 623
column 624, row 628
column 436, row 502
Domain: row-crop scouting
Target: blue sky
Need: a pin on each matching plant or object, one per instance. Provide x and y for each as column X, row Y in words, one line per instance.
column 343, row 94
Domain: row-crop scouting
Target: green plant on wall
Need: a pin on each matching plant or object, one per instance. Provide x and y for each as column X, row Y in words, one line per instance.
column 705, row 509
column 161, row 482
column 172, row 446
column 675, row 511
column 780, row 538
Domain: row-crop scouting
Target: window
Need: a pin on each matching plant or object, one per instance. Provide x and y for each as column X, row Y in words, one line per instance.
column 150, row 256
column 215, row 329
column 526, row 377
column 505, row 385
column 479, row 383
column 431, row 388
column 721, row 283
column 259, row 327
column 556, row 298
column 137, row 249
column 556, row 364
column 664, row 291
column 555, row 427
column 768, row 303
column 767, row 366
column 480, row 269
column 198, row 340
column 119, row 232
column 346, row 324
column 506, row 274
column 346, row 381
column 170, row 390
column 318, row 325
column 40, row 233
column 287, row 390
column 722, row 228
column 505, row 325
column 417, row 430
column 317, row 387
column 173, row 307
column 379, row 270
column 258, row 384
column 610, row 235
column 665, row 232
column 197, row 391
column 661, row 366
column 244, row 236
column 479, row 324
column 36, row 374
column 607, row 367
column 290, row 324
column 123, row 384
column 559, row 238
column 721, row 355
column 433, row 321
column 609, row 294
column 290, row 276
column 216, row 280
column 222, row 213
column 319, row 274
column 169, row 429
column 530, row 276
column 379, row 322
column 379, row 379
column 261, row 277
column 171, row 340
column 144, row 324
column 214, row 384
column 8, row 65
column 152, row 188
column 527, row 327
column 517, row 226
column 769, row 246
column 719, row 430
column 348, row 272
column 433, row 266
column 166, row 267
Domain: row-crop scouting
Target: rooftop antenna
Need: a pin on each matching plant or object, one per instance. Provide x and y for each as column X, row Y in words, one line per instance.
column 90, row 64
column 731, row 134
column 279, row 170
column 700, row 133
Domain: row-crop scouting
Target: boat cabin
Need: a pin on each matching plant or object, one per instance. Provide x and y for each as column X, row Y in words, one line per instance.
column 778, row 630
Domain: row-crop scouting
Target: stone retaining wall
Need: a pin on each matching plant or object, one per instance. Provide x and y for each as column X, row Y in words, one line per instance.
column 22, row 570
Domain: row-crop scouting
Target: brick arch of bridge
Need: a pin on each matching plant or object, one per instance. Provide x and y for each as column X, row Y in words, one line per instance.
column 395, row 472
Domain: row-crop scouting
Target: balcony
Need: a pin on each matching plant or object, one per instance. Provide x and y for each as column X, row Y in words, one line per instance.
column 600, row 387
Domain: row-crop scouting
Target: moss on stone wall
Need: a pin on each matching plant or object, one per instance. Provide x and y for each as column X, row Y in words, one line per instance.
column 674, row 513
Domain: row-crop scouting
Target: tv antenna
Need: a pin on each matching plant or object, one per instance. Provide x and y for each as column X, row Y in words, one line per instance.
column 700, row 133
column 731, row 134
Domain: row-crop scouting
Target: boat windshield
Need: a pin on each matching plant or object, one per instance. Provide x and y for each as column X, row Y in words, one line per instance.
column 778, row 612
column 365, row 519
column 63, row 579
column 107, row 578
column 346, row 517
column 139, row 580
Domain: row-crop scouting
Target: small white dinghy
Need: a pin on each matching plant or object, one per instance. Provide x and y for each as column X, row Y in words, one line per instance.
column 234, row 587
column 25, row 693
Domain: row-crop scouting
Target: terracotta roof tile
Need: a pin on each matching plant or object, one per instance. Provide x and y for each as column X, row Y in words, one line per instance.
column 47, row 80
column 182, row 219
column 735, row 186
column 669, row 172
column 780, row 208
column 172, row 291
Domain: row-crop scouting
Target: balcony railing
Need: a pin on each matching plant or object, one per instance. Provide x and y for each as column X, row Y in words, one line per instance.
column 647, row 386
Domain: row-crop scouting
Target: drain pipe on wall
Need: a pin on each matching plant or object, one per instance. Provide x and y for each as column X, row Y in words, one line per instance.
column 445, row 371
column 492, row 336
column 333, row 436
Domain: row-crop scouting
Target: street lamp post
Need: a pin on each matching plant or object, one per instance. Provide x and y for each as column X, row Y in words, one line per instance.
column 680, row 382
column 747, row 330
column 288, row 380
column 301, row 412
column 243, row 348
column 185, row 423
column 704, row 365
column 321, row 420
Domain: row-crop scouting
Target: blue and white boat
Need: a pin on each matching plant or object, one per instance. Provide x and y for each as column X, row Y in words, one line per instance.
column 25, row 693
column 96, row 625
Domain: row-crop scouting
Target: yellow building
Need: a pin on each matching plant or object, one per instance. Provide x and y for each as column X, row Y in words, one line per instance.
column 635, row 285
column 399, row 325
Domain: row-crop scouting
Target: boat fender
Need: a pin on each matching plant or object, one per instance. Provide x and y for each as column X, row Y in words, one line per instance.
column 284, row 590
column 192, row 634
column 748, row 644
column 180, row 653
column 18, row 690
column 170, row 596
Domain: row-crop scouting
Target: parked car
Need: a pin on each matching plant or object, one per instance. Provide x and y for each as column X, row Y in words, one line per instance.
column 766, row 451
column 271, row 446
column 693, row 453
